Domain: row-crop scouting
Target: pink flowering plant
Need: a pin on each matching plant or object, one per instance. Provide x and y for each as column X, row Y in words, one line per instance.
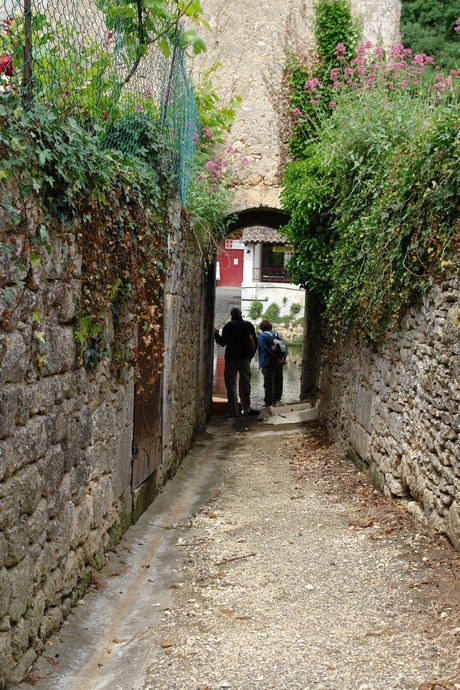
column 70, row 72
column 211, row 190
column 374, row 187
column 217, row 168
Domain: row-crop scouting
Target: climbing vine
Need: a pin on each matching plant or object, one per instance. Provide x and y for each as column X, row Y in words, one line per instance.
column 310, row 93
column 216, row 170
column 113, row 206
column 101, row 177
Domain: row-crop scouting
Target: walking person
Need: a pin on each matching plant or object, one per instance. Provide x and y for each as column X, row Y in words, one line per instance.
column 240, row 341
column 271, row 364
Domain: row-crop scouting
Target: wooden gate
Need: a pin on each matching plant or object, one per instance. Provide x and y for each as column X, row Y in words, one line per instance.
column 148, row 416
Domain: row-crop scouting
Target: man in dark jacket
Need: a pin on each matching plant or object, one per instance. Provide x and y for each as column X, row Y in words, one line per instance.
column 240, row 342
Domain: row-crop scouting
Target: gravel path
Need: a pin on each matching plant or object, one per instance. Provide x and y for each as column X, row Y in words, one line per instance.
column 297, row 574
column 267, row 563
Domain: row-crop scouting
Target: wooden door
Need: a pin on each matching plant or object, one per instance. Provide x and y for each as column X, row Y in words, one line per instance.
column 148, row 416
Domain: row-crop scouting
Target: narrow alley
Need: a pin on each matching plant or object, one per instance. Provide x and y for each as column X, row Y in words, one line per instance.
column 269, row 562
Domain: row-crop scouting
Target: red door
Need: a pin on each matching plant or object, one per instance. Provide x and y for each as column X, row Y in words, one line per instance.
column 230, row 259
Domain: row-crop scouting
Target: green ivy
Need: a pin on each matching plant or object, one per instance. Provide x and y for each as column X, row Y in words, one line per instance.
column 111, row 201
column 333, row 25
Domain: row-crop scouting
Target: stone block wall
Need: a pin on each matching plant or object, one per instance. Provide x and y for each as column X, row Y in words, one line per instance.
column 66, row 436
column 189, row 321
column 65, row 445
column 399, row 410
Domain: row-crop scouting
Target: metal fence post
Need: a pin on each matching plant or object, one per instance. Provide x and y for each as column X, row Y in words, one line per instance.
column 27, row 86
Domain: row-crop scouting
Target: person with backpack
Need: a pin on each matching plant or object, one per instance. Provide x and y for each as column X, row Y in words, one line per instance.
column 240, row 341
column 272, row 357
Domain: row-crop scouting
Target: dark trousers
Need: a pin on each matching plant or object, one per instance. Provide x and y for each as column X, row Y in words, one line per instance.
column 241, row 370
column 273, row 383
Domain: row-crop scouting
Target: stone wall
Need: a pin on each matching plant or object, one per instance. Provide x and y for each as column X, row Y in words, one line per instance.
column 66, row 437
column 189, row 311
column 251, row 42
column 399, row 410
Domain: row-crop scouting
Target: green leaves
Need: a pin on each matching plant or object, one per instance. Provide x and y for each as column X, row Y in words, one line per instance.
column 373, row 197
column 190, row 38
column 140, row 23
column 44, row 155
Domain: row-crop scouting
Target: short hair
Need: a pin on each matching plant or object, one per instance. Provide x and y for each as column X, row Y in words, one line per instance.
column 235, row 313
column 265, row 325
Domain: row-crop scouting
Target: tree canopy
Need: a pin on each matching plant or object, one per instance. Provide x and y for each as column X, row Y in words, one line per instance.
column 427, row 26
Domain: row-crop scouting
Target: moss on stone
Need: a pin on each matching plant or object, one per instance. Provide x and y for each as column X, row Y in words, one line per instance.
column 118, row 529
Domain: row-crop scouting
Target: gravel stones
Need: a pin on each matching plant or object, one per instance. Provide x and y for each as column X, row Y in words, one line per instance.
column 286, row 585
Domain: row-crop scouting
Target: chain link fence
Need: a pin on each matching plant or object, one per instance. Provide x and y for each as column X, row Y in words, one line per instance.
column 77, row 57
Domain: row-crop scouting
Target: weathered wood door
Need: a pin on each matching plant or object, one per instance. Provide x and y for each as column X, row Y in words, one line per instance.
column 148, row 415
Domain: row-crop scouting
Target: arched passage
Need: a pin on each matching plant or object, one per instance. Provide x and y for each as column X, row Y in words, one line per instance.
column 253, row 238
column 267, row 217
column 261, row 223
column 232, row 260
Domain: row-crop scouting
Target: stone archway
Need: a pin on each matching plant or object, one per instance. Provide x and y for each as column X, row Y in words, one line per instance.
column 274, row 218
column 262, row 215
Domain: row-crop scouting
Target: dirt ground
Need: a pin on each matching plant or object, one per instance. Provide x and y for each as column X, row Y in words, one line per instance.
column 269, row 562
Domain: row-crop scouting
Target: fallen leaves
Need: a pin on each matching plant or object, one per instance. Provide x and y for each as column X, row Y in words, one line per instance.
column 32, row 678
column 437, row 685
column 360, row 522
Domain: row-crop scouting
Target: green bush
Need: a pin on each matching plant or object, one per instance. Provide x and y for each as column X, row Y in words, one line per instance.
column 272, row 313
column 255, row 310
column 428, row 27
column 373, row 202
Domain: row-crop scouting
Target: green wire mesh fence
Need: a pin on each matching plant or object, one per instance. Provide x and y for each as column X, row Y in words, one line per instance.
column 77, row 57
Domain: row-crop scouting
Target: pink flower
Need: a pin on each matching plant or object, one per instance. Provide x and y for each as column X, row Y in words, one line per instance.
column 332, row 104
column 296, row 112
column 6, row 65
column 457, row 25
column 208, row 132
column 139, row 108
column 312, row 85
column 314, row 101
